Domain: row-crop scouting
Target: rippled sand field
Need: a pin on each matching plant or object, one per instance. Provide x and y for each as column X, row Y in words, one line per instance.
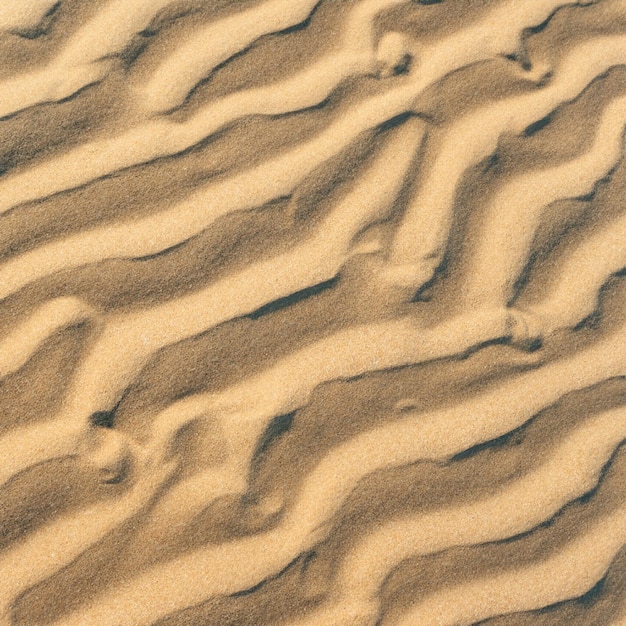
column 312, row 312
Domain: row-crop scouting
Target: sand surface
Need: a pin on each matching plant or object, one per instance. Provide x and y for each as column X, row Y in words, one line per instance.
column 312, row 312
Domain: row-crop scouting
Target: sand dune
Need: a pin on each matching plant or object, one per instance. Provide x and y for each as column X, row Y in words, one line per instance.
column 312, row 312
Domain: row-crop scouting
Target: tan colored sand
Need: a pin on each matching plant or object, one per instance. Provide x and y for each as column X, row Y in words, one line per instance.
column 311, row 313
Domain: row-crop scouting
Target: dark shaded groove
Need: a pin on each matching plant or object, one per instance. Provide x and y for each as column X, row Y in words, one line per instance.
column 539, row 28
column 164, row 252
column 425, row 292
column 593, row 595
column 446, row 100
column 169, row 26
column 291, row 299
column 195, row 149
column 320, row 106
column 594, row 319
column 148, row 164
column 492, row 162
column 514, row 437
column 255, row 588
column 195, row 360
column 586, row 498
column 204, row 81
column 276, row 429
column 549, row 141
column 168, row 16
column 111, row 557
column 115, row 557
column 538, row 125
column 232, row 242
column 541, row 274
column 43, row 28
column 522, row 280
column 302, row 25
column 93, row 284
column 103, row 419
column 330, row 428
column 395, row 122
column 129, row 56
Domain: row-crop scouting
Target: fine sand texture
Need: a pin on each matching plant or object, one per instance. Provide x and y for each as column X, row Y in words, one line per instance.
column 312, row 312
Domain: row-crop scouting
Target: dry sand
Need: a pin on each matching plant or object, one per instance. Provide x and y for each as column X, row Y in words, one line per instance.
column 312, row 313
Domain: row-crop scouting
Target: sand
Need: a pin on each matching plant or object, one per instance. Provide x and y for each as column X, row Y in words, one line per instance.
column 312, row 312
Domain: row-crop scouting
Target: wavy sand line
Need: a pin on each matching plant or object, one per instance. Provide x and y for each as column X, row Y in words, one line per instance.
column 28, row 446
column 149, row 235
column 569, row 573
column 421, row 239
column 19, row 346
column 127, row 341
column 378, row 346
column 255, row 187
column 421, row 436
column 172, row 81
column 572, row 469
column 422, row 230
column 85, row 59
column 424, row 436
column 358, row 584
column 160, row 138
column 100, row 381
column 512, row 217
column 296, row 270
column 134, row 337
column 602, row 604
column 574, row 297
column 359, row 56
column 61, row 541
column 273, row 546
column 248, row 395
column 585, row 460
column 254, row 403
